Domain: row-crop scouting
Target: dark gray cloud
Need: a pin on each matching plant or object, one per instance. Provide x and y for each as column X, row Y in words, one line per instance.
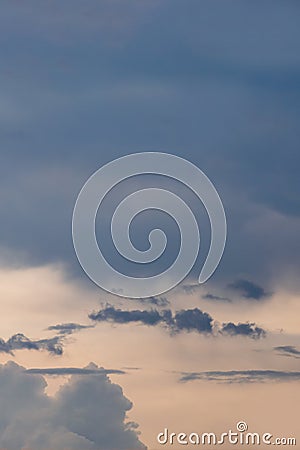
column 241, row 376
column 248, row 289
column 68, row 328
column 183, row 320
column 20, row 342
column 111, row 314
column 74, row 371
column 243, row 329
column 288, row 350
column 193, row 320
column 87, row 413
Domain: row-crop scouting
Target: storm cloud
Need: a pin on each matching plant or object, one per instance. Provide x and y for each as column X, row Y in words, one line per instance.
column 175, row 96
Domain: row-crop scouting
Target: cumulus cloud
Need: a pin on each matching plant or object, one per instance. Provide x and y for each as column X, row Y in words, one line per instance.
column 243, row 329
column 248, row 289
column 241, row 376
column 20, row 342
column 88, row 413
column 193, row 320
column 183, row 320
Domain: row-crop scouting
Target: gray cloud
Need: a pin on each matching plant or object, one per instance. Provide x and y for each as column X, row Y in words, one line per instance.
column 157, row 301
column 74, row 371
column 21, row 342
column 193, row 320
column 249, row 289
column 243, row 329
column 68, row 328
column 189, row 288
column 183, row 320
column 288, row 350
column 216, row 298
column 241, row 376
column 188, row 320
column 111, row 314
column 87, row 413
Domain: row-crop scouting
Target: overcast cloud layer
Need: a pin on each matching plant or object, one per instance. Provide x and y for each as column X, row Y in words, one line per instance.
column 219, row 85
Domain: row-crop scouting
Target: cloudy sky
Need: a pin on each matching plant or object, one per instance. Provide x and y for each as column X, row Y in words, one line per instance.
column 82, row 83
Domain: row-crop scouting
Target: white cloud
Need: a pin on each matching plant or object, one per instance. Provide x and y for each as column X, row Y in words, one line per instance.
column 87, row 413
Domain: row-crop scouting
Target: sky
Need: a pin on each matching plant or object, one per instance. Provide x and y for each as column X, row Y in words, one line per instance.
column 84, row 83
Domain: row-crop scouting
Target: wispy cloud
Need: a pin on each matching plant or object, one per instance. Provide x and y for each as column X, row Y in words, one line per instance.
column 75, row 371
column 241, row 376
column 190, row 289
column 216, row 298
column 157, row 301
column 68, row 328
column 288, row 350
